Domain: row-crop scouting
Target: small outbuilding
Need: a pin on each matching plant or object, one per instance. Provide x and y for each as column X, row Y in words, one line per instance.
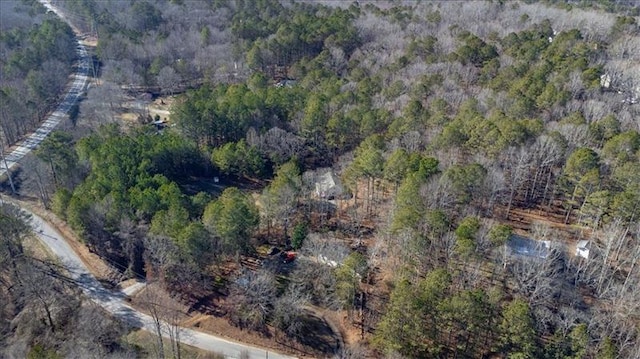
column 582, row 249
column 527, row 247
column 327, row 185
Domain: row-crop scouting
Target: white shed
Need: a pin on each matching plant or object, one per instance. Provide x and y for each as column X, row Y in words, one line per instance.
column 582, row 249
column 327, row 185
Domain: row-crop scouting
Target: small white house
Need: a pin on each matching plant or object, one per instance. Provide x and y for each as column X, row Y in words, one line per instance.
column 582, row 249
column 605, row 81
column 327, row 185
column 527, row 247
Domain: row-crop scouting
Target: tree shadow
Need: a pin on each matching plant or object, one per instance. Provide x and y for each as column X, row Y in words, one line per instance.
column 316, row 333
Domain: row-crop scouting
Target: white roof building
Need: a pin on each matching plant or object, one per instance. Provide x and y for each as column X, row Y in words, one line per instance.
column 582, row 249
column 527, row 247
column 327, row 185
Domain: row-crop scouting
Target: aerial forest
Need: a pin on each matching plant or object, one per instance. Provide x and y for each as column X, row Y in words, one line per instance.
column 443, row 179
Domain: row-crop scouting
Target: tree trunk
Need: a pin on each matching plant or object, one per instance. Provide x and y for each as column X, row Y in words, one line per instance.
column 48, row 312
column 6, row 166
column 159, row 333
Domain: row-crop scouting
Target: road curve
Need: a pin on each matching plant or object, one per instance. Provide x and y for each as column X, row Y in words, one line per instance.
column 114, row 302
column 76, row 88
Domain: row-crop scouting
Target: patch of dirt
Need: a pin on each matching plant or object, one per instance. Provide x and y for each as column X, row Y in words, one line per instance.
column 160, row 107
column 89, row 41
column 522, row 220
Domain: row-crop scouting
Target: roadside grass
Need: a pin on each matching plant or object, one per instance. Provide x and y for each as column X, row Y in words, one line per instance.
column 37, row 249
column 145, row 345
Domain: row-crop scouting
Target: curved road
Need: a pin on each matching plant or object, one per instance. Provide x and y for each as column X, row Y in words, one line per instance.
column 112, row 301
column 115, row 303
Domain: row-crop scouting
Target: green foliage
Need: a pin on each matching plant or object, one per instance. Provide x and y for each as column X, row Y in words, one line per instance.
column 368, row 161
column 625, row 204
column 580, row 163
column 518, row 334
column 60, row 202
column 528, row 45
column 40, row 352
column 465, row 236
column 499, row 234
column 217, row 115
column 57, row 151
column 474, row 50
column 409, row 205
column 579, row 341
column 132, row 173
column 349, row 274
column 414, row 118
column 300, row 231
column 344, row 100
column 595, row 207
column 608, row 349
column 396, row 166
column 591, row 77
column 437, row 223
column 411, row 324
column 571, row 346
column 423, row 166
column 199, row 203
column 170, row 222
column 53, row 39
column 291, row 33
column 14, row 228
column 538, row 80
column 429, row 319
column 622, row 148
column 315, row 118
column 279, row 199
column 400, row 164
column 239, row 159
column 473, row 132
column 468, row 316
column 624, row 24
column 400, row 329
column 232, row 217
column 464, row 181
column 196, row 242
column 604, row 129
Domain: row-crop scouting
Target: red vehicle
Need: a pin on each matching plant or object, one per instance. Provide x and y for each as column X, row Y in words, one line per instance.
column 288, row 257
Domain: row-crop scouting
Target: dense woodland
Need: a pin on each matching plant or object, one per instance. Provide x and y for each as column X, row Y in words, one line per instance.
column 451, row 125
column 37, row 50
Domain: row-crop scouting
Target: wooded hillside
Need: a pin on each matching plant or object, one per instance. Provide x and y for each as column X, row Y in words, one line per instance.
column 475, row 145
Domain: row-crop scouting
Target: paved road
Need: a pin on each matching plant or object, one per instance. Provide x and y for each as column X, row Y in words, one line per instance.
column 76, row 88
column 112, row 301
column 115, row 303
